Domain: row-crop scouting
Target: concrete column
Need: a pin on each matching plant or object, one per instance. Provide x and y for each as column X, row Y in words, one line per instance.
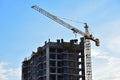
column 47, row 63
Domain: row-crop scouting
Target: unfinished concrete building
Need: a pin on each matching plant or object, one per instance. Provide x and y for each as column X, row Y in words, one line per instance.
column 56, row 61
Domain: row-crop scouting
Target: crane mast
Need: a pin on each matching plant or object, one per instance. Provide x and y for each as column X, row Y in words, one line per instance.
column 86, row 35
column 87, row 51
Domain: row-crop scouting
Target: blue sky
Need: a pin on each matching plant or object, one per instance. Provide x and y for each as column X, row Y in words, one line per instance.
column 23, row 29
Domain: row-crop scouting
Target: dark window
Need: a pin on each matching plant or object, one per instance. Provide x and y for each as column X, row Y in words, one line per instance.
column 41, row 72
column 66, row 77
column 52, row 70
column 60, row 70
column 65, row 56
column 60, row 77
column 52, row 77
column 40, row 66
column 65, row 63
column 59, row 50
column 44, row 65
column 52, row 56
column 60, row 64
column 52, row 63
column 59, row 56
column 66, row 70
column 52, row 49
column 72, row 64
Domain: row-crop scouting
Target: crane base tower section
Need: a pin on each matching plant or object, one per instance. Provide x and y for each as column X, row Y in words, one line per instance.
column 56, row 61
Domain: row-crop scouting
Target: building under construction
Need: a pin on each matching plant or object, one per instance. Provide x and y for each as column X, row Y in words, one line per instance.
column 61, row 60
column 56, row 61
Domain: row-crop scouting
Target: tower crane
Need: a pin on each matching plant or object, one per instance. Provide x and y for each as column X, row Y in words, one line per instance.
column 86, row 35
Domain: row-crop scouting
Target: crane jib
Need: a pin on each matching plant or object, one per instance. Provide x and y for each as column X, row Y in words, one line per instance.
column 61, row 22
column 56, row 19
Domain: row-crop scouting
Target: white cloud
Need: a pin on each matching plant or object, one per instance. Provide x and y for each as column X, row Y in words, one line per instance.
column 114, row 44
column 9, row 73
column 108, row 53
column 111, row 39
column 109, row 70
column 2, row 71
column 95, row 52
